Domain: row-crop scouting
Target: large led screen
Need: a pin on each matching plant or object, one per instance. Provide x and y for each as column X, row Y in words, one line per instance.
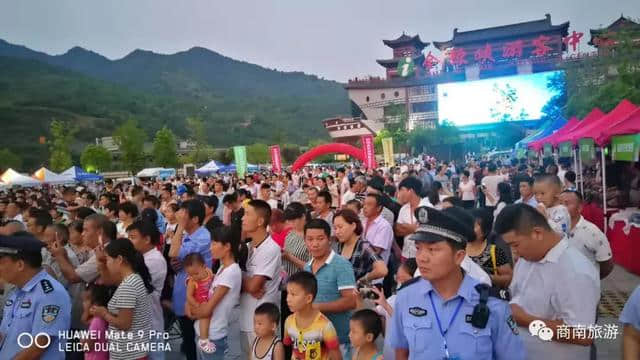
column 509, row 98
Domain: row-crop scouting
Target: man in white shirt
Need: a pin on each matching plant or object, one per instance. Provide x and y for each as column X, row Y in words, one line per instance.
column 552, row 283
column 525, row 186
column 145, row 237
column 490, row 182
column 408, row 195
column 261, row 280
column 586, row 236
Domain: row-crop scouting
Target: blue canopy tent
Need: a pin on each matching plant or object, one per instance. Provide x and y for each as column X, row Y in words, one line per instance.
column 547, row 129
column 210, row 168
column 79, row 174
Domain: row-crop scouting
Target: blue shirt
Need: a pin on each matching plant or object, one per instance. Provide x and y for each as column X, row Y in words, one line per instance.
column 531, row 202
column 335, row 275
column 42, row 305
column 200, row 242
column 161, row 223
column 414, row 325
column 220, row 209
column 631, row 312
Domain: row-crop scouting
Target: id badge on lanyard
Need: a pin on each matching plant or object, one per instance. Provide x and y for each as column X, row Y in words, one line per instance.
column 443, row 333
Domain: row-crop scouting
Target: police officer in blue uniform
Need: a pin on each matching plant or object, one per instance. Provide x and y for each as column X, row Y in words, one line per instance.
column 446, row 314
column 38, row 309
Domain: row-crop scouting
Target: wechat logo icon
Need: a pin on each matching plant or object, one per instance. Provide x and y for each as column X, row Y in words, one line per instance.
column 539, row 328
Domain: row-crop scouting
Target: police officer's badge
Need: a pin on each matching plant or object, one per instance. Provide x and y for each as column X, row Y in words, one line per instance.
column 50, row 313
column 417, row 311
column 423, row 215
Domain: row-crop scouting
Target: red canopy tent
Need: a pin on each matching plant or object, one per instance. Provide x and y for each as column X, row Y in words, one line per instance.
column 569, row 126
column 594, row 115
column 596, row 127
column 630, row 124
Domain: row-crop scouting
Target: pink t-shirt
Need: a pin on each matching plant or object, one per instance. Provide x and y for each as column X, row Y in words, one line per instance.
column 98, row 328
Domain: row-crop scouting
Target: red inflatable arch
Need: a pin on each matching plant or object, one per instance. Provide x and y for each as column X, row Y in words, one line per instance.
column 333, row 148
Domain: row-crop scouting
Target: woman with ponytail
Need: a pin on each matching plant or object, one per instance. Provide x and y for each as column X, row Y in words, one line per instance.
column 129, row 310
column 224, row 299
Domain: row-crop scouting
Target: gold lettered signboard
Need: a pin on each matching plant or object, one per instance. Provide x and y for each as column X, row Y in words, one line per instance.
column 625, row 147
column 548, row 150
column 565, row 149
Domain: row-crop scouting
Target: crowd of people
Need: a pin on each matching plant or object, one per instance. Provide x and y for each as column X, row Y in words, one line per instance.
column 425, row 260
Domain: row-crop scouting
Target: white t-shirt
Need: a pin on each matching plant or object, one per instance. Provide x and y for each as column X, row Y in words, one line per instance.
column 467, row 190
column 470, row 267
column 226, row 312
column 157, row 266
column 346, row 197
column 559, row 219
column 273, row 203
column 264, row 260
column 591, row 242
column 562, row 286
column 406, row 216
column 491, row 182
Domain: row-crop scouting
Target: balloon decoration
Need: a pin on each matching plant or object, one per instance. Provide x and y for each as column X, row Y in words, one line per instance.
column 333, row 148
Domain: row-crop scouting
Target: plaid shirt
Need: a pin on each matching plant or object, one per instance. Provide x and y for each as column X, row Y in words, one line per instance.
column 362, row 258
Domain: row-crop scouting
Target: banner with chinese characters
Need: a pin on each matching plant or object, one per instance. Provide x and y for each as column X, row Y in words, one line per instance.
column 521, row 153
column 625, row 147
column 587, row 150
column 547, row 150
column 276, row 162
column 369, row 152
column 240, row 155
column 533, row 154
column 565, row 149
column 387, row 149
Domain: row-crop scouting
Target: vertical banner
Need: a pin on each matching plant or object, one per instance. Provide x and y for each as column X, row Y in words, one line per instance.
column 587, row 150
column 240, row 155
column 566, row 149
column 533, row 154
column 625, row 147
column 276, row 163
column 369, row 152
column 387, row 149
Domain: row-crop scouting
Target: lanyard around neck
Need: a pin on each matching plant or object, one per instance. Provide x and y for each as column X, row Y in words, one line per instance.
column 443, row 333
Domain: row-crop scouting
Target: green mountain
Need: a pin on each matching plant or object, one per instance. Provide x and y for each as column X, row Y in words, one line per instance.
column 241, row 103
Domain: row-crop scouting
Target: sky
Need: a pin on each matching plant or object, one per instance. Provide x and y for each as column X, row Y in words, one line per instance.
column 334, row 39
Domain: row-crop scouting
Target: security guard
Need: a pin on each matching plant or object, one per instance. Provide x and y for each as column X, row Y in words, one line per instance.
column 446, row 314
column 38, row 310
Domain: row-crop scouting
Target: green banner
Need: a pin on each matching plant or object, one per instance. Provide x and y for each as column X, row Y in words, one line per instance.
column 521, row 153
column 533, row 154
column 625, row 147
column 405, row 66
column 587, row 150
column 565, row 149
column 240, row 155
column 548, row 150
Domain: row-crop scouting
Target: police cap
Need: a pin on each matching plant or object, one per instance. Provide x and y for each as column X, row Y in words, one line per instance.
column 13, row 244
column 435, row 226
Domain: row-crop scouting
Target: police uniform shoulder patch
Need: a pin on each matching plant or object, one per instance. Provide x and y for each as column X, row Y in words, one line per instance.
column 512, row 325
column 46, row 286
column 409, row 283
column 417, row 311
column 50, row 313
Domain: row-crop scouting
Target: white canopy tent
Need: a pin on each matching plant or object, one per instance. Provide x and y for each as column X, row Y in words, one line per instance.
column 49, row 177
column 12, row 177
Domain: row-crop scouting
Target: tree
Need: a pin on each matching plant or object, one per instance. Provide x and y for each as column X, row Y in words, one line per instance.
column 62, row 136
column 289, row 153
column 165, row 151
column 441, row 140
column 130, row 139
column 258, row 153
column 198, row 135
column 8, row 159
column 95, row 158
column 604, row 81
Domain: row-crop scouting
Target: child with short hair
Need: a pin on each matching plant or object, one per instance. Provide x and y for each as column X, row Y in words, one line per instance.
column 266, row 346
column 547, row 189
column 364, row 328
column 96, row 295
column 307, row 330
column 198, row 284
